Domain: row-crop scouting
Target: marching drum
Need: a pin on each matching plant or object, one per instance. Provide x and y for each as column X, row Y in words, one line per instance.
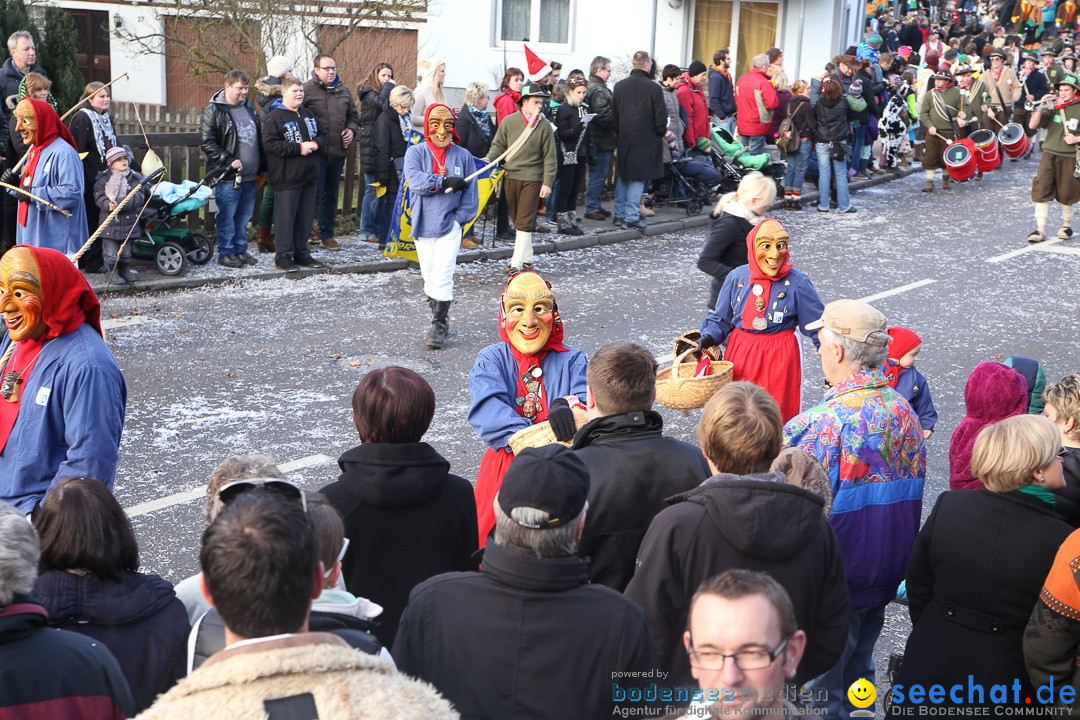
column 960, row 160
column 987, row 156
column 1014, row 141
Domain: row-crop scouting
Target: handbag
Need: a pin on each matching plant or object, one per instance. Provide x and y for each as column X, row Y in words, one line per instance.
column 838, row 150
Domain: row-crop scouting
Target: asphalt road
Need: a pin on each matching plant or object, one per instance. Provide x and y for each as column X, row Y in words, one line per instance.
column 269, row 366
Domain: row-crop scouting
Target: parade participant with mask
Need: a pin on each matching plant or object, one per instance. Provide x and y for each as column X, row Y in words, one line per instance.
column 939, row 116
column 757, row 311
column 442, row 203
column 54, row 173
column 62, row 396
column 1056, row 179
column 529, row 377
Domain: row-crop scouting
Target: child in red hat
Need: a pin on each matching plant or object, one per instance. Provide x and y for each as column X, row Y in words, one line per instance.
column 905, row 379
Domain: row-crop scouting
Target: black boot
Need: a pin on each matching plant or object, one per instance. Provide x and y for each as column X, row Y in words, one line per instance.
column 440, row 324
column 124, row 271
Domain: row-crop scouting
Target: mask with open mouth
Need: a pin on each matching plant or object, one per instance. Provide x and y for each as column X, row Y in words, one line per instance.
column 21, row 297
column 529, row 313
column 26, row 122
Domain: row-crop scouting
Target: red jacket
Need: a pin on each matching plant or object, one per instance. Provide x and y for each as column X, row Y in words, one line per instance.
column 506, row 104
column 693, row 103
column 754, row 93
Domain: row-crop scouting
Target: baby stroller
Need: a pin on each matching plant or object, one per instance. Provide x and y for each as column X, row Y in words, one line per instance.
column 168, row 246
column 734, row 162
column 677, row 190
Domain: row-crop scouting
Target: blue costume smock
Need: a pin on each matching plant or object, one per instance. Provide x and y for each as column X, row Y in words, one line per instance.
column 434, row 211
column 58, row 178
column 793, row 303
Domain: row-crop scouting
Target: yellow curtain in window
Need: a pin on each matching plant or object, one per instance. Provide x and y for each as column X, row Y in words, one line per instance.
column 757, row 32
column 712, row 28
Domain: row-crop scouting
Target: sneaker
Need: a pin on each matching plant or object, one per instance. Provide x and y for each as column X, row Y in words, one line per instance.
column 636, row 225
column 596, row 215
column 331, row 244
column 1065, row 233
column 246, row 259
column 371, row 239
column 284, row 262
column 821, row 209
column 618, row 222
column 230, row 261
column 310, row 262
column 1036, row 237
column 859, row 176
column 849, row 211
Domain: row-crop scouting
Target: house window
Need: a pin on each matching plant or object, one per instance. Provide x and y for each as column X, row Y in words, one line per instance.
column 537, row 21
column 744, row 27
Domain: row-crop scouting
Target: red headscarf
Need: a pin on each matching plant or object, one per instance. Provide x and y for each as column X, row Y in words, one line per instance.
column 439, row 154
column 903, row 341
column 49, row 128
column 527, row 362
column 67, row 303
column 758, row 277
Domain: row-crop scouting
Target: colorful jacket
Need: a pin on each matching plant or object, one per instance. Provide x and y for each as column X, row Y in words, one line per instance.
column 913, row 386
column 1052, row 640
column 869, row 441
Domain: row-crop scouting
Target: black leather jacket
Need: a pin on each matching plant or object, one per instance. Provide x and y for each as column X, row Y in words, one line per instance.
column 217, row 133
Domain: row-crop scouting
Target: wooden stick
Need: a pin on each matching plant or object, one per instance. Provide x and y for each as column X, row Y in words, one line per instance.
column 32, row 196
column 509, row 152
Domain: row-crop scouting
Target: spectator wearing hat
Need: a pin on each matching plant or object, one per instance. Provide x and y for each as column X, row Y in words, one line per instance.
column 574, row 142
column 755, row 101
column 692, row 101
column 1002, row 85
column 940, row 109
column 869, row 441
column 1055, row 179
column 992, row 393
column 637, row 105
column 110, row 187
column 496, row 643
column 268, row 89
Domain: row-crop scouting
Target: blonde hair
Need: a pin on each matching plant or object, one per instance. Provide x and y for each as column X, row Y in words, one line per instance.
column 474, row 92
column 752, row 187
column 780, row 79
column 430, row 70
column 740, row 429
column 402, row 96
column 1008, row 452
column 1065, row 399
column 799, row 87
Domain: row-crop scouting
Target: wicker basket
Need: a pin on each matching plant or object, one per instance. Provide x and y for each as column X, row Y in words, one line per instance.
column 541, row 434
column 678, row 389
column 689, row 341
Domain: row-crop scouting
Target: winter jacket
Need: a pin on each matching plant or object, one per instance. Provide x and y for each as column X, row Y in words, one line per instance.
column 267, row 90
column 525, row 637
column 1034, row 375
column 803, row 118
column 754, row 522
column 372, row 104
column 82, row 129
column 1069, row 496
column 535, row 160
column 138, row 618
column 407, row 519
column 868, row 439
column 60, row 179
column 675, row 125
column 725, row 249
column 1052, row 639
column 315, row 670
column 123, row 224
column 50, row 674
column 434, row 211
column 871, row 90
column 916, row 390
column 604, row 129
column 692, row 101
column 637, row 105
column 992, row 393
column 283, row 132
column 218, row 133
column 506, row 103
column 633, row 468
column 10, row 77
column 755, row 99
column 831, row 119
column 721, row 93
column 74, row 429
column 571, row 132
column 472, row 137
column 336, row 112
column 975, row 575
column 388, row 143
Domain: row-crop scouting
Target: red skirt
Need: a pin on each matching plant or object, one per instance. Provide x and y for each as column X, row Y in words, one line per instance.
column 488, row 481
column 772, row 361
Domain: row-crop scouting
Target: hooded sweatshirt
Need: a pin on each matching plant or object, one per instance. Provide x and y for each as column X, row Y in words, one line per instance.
column 283, row 132
column 755, row 522
column 993, row 392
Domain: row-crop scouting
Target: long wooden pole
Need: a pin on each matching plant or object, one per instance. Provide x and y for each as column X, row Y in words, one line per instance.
column 508, row 153
column 32, row 196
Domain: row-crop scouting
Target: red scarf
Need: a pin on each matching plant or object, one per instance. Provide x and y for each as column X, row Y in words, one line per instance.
column 1060, row 106
column 49, row 128
column 903, row 341
column 758, row 277
column 527, row 363
column 438, row 154
column 67, row 302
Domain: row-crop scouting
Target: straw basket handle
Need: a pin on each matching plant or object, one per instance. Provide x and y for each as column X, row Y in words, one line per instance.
column 676, row 359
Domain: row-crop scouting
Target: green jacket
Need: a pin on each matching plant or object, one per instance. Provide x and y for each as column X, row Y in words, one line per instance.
column 535, row 160
column 971, row 103
column 939, row 110
column 1054, row 75
column 1055, row 129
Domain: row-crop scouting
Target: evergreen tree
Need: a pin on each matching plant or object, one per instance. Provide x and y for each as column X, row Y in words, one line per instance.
column 56, row 53
column 14, row 17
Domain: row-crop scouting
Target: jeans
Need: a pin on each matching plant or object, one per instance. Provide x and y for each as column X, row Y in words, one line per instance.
column 856, row 662
column 266, row 207
column 552, row 199
column 754, row 144
column 234, row 209
column 598, row 173
column 326, row 193
column 699, row 168
column 797, row 162
column 628, row 199
column 368, row 208
column 728, row 124
column 855, row 161
column 835, row 168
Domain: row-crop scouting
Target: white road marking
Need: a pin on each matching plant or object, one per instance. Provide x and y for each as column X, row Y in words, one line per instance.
column 898, row 290
column 1060, row 250
column 1045, row 246
column 199, row 492
column 125, row 321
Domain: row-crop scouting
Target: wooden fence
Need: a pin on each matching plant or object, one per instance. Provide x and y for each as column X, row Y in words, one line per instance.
column 155, row 118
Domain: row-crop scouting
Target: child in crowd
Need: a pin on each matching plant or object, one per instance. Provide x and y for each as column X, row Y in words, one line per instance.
column 1063, row 407
column 112, row 185
column 903, row 377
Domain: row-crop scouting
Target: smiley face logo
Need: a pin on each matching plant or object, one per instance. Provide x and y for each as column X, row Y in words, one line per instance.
column 862, row 693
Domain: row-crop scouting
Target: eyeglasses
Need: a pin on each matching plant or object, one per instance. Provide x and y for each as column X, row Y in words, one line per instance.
column 340, row 557
column 332, row 68
column 744, row 659
column 230, row 491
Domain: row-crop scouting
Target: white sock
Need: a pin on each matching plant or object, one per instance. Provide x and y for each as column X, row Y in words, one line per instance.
column 929, row 175
column 1066, row 215
column 1042, row 211
column 522, row 249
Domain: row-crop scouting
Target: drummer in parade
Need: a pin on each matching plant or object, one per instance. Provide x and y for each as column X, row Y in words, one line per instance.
column 1056, row 177
column 940, row 109
column 974, row 115
column 1002, row 85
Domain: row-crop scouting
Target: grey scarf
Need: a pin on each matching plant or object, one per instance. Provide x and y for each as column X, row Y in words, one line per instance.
column 104, row 137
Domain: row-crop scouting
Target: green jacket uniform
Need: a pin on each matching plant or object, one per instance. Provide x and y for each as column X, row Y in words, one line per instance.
column 939, row 110
column 1054, row 75
column 971, row 103
column 1055, row 129
column 535, row 160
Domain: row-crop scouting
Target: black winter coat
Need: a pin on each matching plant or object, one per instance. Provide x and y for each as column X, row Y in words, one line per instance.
column 388, row 143
column 218, row 133
column 871, row 91
column 755, row 522
column 832, row 118
column 569, row 129
column 604, row 129
column 10, row 77
column 139, row 619
column 472, row 136
column 336, row 111
column 407, row 519
column 633, row 468
column 637, row 104
column 1068, row 505
column 372, row 104
column 123, row 225
column 283, row 132
column 724, row 251
column 977, row 568
column 525, row 637
column 802, row 116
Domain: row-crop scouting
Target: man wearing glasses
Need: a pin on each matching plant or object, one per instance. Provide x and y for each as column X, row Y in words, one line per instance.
column 744, row 646
column 330, row 101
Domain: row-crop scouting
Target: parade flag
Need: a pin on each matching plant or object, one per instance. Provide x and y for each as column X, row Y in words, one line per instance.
column 399, row 242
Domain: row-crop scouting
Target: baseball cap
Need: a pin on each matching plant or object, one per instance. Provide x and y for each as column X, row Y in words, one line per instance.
column 853, row 319
column 551, row 478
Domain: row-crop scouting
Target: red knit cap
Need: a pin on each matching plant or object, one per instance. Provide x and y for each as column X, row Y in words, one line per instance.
column 903, row 341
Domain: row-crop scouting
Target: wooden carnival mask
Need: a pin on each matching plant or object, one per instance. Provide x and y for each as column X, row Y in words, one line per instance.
column 26, row 121
column 771, row 247
column 528, row 312
column 21, row 298
column 440, row 126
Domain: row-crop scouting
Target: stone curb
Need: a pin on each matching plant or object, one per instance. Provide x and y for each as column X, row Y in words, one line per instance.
column 542, row 247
